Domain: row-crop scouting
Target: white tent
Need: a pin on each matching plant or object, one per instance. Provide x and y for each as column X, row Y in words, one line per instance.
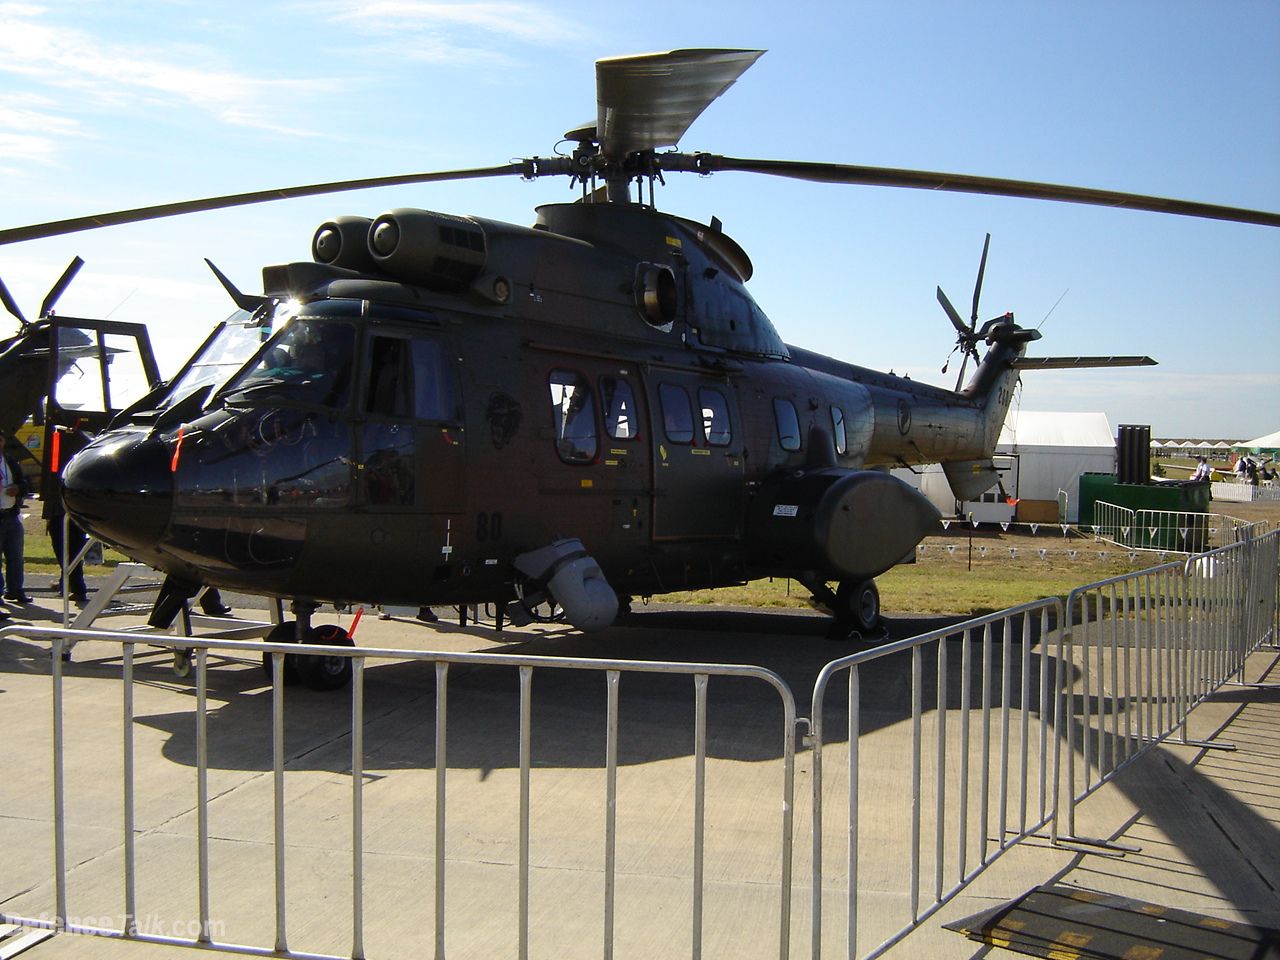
column 1038, row 455
column 1268, row 444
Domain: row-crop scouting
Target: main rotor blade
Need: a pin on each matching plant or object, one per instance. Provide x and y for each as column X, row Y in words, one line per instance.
column 649, row 101
column 160, row 211
column 966, row 183
column 56, row 290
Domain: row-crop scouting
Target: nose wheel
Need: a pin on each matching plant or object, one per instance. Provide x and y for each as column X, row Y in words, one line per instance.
column 314, row 671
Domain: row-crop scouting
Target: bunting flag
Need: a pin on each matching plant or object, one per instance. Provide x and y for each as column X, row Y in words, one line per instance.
column 1043, row 553
column 951, row 548
column 982, row 550
column 975, row 523
column 1035, row 528
column 1013, row 552
column 1073, row 554
column 1066, row 528
column 1133, row 555
column 1182, row 532
column 946, row 524
column 1005, row 526
column 1125, row 531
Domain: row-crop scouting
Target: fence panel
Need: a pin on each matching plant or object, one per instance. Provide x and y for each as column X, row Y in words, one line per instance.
column 1149, row 647
column 981, row 716
column 296, row 822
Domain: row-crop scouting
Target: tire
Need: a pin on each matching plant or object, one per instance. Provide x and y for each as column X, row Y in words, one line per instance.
column 858, row 605
column 325, row 673
column 283, row 633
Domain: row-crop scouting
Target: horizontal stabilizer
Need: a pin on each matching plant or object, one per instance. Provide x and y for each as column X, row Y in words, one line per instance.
column 969, row 479
column 1080, row 363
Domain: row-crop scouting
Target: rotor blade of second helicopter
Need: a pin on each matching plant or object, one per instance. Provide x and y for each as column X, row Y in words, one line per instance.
column 967, row 183
column 160, row 211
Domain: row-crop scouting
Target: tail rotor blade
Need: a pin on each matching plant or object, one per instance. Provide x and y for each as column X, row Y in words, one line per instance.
column 953, row 313
column 963, row 363
column 58, row 288
column 977, row 287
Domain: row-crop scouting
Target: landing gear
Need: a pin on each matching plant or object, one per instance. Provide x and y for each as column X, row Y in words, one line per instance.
column 321, row 672
column 858, row 606
column 311, row 670
column 855, row 604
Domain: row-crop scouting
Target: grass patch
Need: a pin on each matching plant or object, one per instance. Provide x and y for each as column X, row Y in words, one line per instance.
column 941, row 586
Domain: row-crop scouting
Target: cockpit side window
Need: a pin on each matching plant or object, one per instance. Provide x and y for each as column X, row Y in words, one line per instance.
column 410, row 378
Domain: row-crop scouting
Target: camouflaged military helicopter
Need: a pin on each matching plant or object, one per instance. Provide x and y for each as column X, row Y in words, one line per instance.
column 448, row 410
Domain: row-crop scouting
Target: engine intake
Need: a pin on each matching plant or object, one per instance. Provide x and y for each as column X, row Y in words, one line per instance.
column 433, row 250
column 343, row 242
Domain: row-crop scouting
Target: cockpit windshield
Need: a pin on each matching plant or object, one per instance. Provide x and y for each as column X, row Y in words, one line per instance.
column 309, row 361
column 234, row 342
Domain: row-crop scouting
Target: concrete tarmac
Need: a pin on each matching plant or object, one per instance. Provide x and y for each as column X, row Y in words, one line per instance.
column 1207, row 821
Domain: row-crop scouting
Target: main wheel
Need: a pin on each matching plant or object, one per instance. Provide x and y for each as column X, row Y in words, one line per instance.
column 321, row 672
column 286, row 632
column 858, row 605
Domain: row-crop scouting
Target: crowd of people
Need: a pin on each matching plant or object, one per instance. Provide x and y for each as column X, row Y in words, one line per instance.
column 1253, row 471
column 1248, row 469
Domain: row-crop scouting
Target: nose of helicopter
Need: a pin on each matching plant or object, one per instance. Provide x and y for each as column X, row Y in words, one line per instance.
column 120, row 489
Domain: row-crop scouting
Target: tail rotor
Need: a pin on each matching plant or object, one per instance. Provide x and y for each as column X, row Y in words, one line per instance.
column 967, row 335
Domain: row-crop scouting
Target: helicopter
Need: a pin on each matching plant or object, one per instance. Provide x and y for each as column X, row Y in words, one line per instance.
column 56, row 372
column 451, row 410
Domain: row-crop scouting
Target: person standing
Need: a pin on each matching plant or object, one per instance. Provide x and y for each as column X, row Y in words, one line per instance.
column 13, row 488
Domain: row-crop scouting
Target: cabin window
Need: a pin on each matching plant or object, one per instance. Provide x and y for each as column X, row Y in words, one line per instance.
column 677, row 413
column 837, row 431
column 410, row 377
column 574, row 412
column 784, row 411
column 715, row 417
column 619, row 402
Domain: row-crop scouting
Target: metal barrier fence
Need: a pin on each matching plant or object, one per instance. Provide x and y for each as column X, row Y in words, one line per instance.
column 201, row 649
column 1119, row 667
column 1170, row 531
column 1150, row 646
column 1020, row 716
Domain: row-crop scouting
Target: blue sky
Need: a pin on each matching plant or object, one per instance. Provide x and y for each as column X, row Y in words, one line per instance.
column 114, row 105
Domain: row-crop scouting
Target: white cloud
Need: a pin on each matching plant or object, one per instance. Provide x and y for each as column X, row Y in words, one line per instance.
column 527, row 22
column 116, row 75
